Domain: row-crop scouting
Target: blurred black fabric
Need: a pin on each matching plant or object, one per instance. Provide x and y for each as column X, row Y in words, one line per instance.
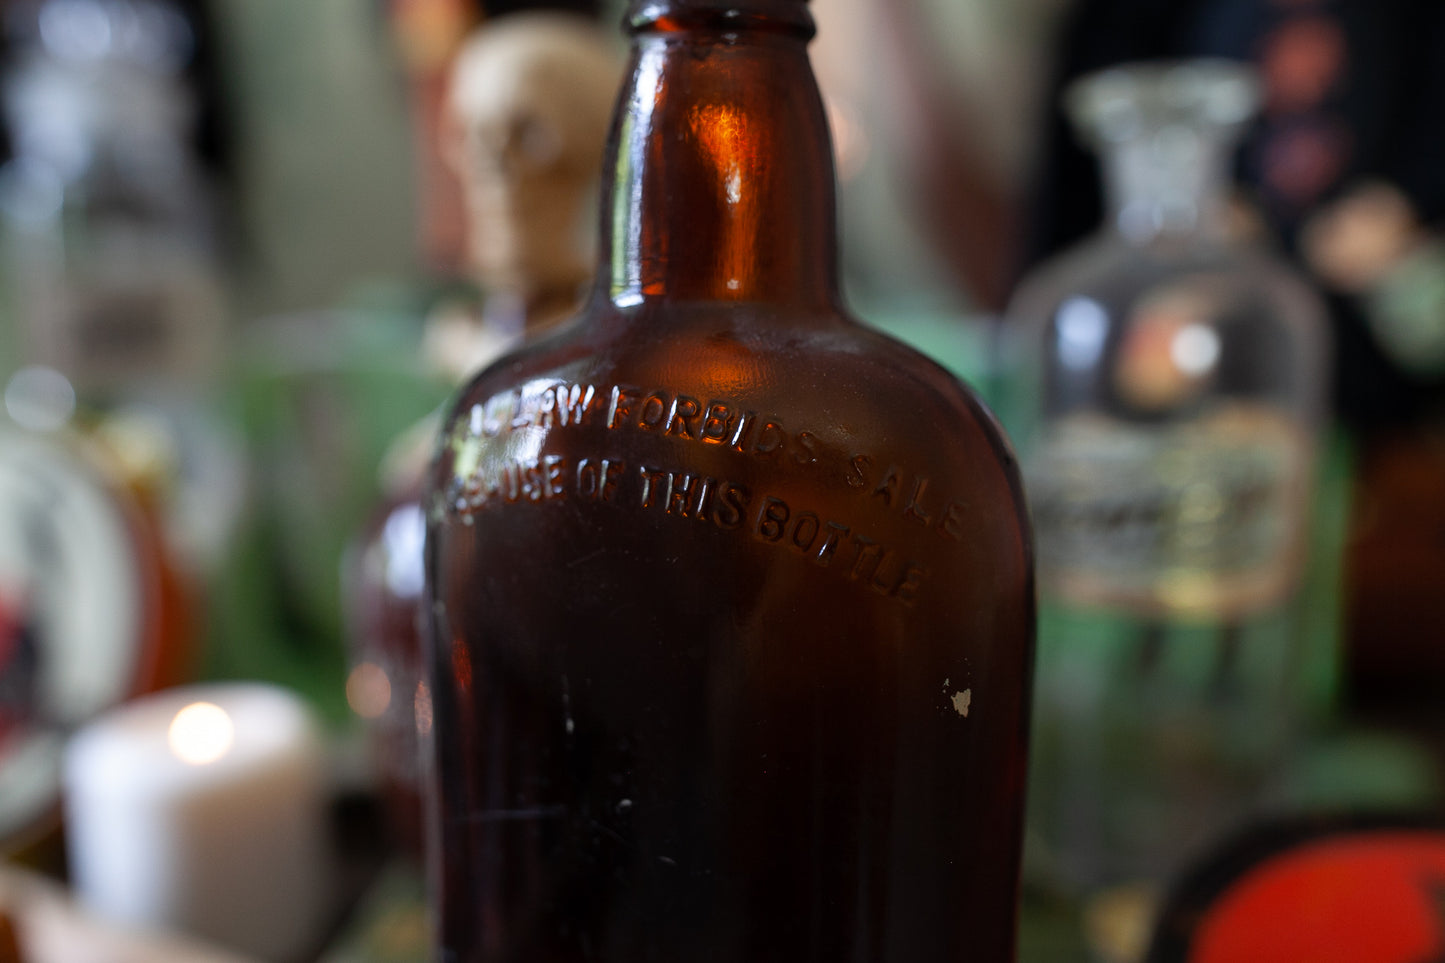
column 497, row 8
column 203, row 75
column 1382, row 117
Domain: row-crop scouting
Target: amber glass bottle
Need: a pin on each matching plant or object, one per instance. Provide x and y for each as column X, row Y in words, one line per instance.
column 731, row 599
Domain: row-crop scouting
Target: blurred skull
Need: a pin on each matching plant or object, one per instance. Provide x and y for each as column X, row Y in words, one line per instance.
column 530, row 103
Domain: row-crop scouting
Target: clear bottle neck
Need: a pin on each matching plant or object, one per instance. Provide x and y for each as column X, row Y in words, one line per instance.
column 1165, row 135
column 1168, row 183
column 719, row 182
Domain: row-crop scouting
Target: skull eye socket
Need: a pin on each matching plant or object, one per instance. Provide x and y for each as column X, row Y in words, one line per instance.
column 536, row 142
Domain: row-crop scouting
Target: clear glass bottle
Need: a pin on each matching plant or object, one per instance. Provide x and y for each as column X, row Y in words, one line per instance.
column 731, row 599
column 1177, row 379
column 110, row 248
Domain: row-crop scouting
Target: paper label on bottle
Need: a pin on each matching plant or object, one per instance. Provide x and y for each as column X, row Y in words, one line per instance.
column 1204, row 519
column 71, row 613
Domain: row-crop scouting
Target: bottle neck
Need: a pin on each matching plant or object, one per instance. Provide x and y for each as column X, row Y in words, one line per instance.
column 1168, row 183
column 719, row 182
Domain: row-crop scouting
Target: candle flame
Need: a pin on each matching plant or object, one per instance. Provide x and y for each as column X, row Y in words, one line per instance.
column 201, row 733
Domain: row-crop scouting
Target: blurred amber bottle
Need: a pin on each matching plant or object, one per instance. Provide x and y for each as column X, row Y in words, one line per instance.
column 731, row 608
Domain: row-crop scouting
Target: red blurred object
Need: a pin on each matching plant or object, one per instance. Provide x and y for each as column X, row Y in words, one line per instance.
column 1328, row 891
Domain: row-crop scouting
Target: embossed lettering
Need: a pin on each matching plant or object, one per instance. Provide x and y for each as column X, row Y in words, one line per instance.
column 542, row 417
column 770, row 438
column 951, row 524
column 731, row 507
column 509, row 485
column 704, row 496
column 654, row 411
column 705, row 499
column 547, row 479
column 589, row 479
column 835, row 532
column 653, row 482
column 804, row 531
column 680, row 416
column 694, row 496
column 715, row 423
column 906, row 591
column 857, row 476
column 532, row 485
column 878, row 582
column 683, row 417
column 745, row 426
column 868, row 552
column 772, row 516
column 497, row 413
column 573, row 402
column 678, row 493
column 611, row 471
column 888, row 487
column 473, row 495
column 552, row 468
column 519, row 417
column 620, row 408
column 914, row 509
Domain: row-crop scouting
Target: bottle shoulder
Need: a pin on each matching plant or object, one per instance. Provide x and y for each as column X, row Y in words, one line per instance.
column 844, row 380
column 1225, row 279
column 768, row 434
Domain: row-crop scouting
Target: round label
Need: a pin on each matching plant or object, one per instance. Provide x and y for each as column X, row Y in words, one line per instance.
column 73, row 591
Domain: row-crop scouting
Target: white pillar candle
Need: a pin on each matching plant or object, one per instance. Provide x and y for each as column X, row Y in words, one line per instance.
column 203, row 810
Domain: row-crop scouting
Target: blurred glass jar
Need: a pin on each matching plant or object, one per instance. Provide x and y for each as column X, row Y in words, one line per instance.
column 1176, row 380
column 111, row 257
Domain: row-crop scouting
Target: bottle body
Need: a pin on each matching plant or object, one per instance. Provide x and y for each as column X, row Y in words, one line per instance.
column 732, row 623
